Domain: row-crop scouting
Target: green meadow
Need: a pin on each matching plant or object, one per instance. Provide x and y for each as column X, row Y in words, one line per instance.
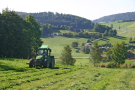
column 127, row 29
column 16, row 75
column 57, row 43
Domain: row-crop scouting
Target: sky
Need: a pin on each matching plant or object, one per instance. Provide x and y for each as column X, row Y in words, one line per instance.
column 90, row 9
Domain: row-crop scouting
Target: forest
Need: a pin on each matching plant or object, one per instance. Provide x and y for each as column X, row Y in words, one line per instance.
column 18, row 36
column 116, row 17
column 58, row 19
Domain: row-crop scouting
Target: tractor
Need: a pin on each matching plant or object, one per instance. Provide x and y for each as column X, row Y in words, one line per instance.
column 43, row 58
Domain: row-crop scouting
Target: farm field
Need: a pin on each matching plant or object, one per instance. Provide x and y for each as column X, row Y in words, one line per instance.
column 113, row 40
column 57, row 44
column 127, row 29
column 18, row 76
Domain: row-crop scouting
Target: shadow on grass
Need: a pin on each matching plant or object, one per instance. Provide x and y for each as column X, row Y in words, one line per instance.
column 120, row 37
column 104, row 39
column 55, row 68
column 6, row 68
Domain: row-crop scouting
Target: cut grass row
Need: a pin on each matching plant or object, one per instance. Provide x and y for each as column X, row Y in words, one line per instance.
column 64, row 77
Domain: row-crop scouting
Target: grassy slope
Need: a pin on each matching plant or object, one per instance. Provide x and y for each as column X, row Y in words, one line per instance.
column 113, row 40
column 129, row 27
column 17, row 76
column 57, row 43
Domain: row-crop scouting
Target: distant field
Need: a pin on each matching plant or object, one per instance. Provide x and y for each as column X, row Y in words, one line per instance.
column 128, row 27
column 57, row 44
column 113, row 40
column 16, row 75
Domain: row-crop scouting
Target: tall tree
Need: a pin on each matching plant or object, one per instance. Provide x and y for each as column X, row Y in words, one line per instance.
column 66, row 57
column 95, row 53
column 119, row 53
column 16, row 36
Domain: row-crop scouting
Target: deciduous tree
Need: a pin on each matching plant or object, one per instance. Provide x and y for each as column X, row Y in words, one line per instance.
column 66, row 57
column 95, row 53
column 119, row 53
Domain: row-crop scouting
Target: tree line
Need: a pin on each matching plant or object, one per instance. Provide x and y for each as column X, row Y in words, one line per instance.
column 18, row 36
column 48, row 28
column 116, row 17
column 99, row 31
column 60, row 19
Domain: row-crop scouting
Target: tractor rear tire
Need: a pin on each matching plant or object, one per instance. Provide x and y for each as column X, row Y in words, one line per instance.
column 46, row 63
column 52, row 62
column 31, row 62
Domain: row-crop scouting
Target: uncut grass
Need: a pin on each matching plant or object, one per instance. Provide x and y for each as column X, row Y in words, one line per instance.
column 57, row 44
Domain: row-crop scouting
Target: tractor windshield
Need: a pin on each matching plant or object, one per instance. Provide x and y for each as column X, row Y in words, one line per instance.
column 42, row 52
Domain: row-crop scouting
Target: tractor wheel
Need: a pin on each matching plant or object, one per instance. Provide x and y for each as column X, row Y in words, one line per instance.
column 46, row 64
column 52, row 62
column 31, row 63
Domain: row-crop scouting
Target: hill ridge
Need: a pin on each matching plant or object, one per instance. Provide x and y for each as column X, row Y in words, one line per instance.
column 60, row 19
column 116, row 17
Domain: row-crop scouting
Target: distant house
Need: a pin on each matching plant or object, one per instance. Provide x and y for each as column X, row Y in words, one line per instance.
column 84, row 47
column 103, row 55
column 53, row 34
column 104, row 48
column 130, row 54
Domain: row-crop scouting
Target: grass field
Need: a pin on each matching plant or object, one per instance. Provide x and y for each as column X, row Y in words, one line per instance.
column 57, row 44
column 113, row 40
column 129, row 27
column 15, row 75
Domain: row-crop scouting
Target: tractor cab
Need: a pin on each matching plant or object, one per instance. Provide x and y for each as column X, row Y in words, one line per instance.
column 43, row 58
column 44, row 52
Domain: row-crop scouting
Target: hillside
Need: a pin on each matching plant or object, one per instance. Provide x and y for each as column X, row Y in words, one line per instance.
column 60, row 19
column 116, row 17
column 57, row 43
column 127, row 29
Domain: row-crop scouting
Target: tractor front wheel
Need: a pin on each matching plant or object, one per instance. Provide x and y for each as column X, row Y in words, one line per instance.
column 31, row 63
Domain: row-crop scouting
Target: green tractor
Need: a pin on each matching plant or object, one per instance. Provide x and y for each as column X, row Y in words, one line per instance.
column 43, row 58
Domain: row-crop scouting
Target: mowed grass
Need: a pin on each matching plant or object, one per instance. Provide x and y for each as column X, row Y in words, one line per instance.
column 18, row 76
column 113, row 40
column 127, row 29
column 57, row 44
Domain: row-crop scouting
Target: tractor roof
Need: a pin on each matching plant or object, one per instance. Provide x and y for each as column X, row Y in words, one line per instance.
column 43, row 47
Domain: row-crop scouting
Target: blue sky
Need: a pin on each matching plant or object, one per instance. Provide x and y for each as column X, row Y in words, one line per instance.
column 90, row 9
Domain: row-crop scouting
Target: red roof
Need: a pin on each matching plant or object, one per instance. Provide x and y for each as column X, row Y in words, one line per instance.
column 104, row 55
column 84, row 47
column 130, row 52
